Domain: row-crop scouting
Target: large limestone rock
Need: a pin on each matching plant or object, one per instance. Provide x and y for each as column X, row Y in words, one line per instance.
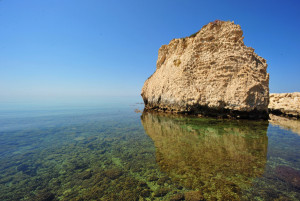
column 211, row 72
column 286, row 104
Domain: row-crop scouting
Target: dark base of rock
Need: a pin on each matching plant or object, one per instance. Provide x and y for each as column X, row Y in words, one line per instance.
column 212, row 112
column 283, row 113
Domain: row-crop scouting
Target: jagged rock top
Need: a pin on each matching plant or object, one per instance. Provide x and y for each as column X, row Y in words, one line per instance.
column 211, row 70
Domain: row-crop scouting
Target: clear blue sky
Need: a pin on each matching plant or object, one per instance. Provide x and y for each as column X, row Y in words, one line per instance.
column 64, row 49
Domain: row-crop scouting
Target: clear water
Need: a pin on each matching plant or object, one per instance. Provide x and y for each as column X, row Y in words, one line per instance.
column 114, row 153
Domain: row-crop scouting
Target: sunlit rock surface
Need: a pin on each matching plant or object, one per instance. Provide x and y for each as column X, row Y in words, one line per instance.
column 211, row 73
column 217, row 157
column 286, row 104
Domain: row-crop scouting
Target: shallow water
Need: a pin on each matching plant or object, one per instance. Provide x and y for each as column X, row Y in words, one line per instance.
column 101, row 153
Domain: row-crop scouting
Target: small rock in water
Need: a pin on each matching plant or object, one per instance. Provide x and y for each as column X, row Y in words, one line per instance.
column 153, row 178
column 289, row 175
column 143, row 184
column 163, row 180
column 177, row 197
column 44, row 196
column 193, row 196
column 79, row 138
column 85, row 175
column 137, row 111
column 146, row 193
column 161, row 192
column 113, row 173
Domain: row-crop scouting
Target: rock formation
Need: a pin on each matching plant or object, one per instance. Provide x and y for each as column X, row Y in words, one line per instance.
column 211, row 72
column 218, row 157
column 286, row 104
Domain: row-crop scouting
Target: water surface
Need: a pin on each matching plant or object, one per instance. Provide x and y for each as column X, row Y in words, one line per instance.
column 114, row 153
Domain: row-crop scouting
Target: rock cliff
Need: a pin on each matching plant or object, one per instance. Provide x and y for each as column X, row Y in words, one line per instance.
column 211, row 72
column 286, row 104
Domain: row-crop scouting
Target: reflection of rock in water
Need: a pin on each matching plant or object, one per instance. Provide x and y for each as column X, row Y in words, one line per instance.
column 286, row 123
column 217, row 157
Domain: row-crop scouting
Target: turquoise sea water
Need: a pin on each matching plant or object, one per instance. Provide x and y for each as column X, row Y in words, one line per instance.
column 114, row 153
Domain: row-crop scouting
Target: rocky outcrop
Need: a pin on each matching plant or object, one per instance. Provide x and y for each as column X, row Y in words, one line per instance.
column 285, row 104
column 211, row 72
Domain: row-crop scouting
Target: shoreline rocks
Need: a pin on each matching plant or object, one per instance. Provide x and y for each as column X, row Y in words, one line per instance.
column 285, row 104
column 210, row 73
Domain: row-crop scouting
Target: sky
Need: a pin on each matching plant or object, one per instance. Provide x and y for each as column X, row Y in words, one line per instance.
column 74, row 49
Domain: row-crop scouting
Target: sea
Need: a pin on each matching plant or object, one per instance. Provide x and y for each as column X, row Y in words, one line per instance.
column 116, row 151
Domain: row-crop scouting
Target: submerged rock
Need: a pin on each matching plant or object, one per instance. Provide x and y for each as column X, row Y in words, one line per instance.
column 211, row 72
column 177, row 197
column 146, row 193
column 44, row 196
column 193, row 196
column 161, row 192
column 288, row 174
column 113, row 173
column 285, row 104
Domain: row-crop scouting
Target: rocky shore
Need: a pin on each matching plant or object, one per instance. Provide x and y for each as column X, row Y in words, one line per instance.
column 285, row 104
column 210, row 73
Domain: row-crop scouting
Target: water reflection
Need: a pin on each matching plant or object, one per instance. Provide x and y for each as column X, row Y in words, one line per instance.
column 286, row 123
column 220, row 158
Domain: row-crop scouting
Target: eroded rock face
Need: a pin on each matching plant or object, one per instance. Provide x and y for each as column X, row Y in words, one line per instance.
column 286, row 104
column 211, row 72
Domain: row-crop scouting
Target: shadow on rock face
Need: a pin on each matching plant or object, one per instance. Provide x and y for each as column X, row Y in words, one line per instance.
column 220, row 158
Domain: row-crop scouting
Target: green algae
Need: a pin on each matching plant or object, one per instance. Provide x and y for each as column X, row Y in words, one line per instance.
column 107, row 156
